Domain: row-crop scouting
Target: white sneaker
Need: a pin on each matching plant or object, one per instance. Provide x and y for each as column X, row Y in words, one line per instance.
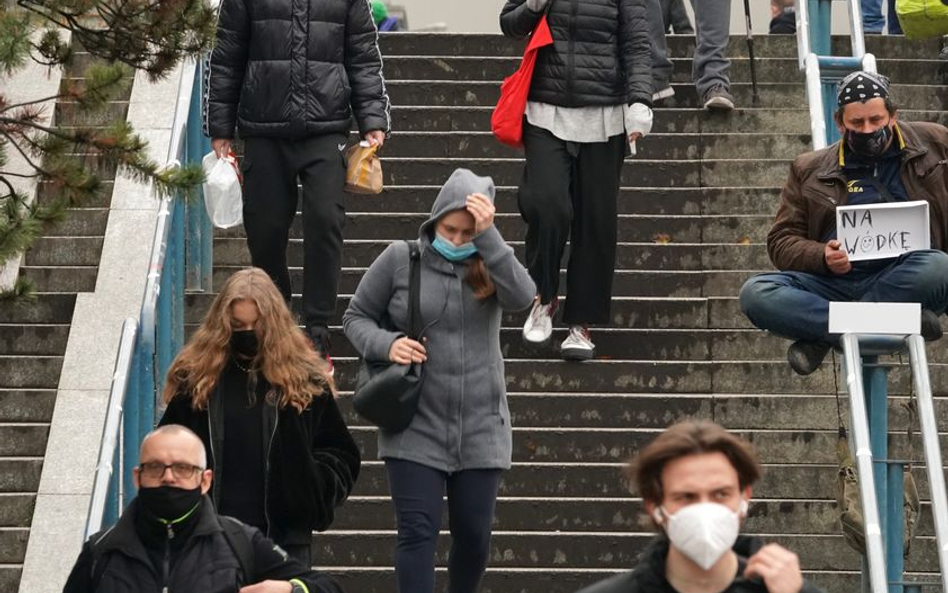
column 539, row 325
column 577, row 345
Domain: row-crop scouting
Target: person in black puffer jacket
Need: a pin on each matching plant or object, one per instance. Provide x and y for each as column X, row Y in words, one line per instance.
column 589, row 101
column 288, row 76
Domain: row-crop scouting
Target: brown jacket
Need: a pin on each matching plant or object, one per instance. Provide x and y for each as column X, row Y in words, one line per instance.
column 817, row 185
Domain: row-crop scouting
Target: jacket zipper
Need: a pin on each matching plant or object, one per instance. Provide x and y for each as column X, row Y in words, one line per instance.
column 166, row 565
column 217, row 470
column 266, row 474
column 571, row 54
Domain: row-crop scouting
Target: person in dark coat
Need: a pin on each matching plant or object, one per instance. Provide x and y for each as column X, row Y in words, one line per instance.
column 460, row 437
column 170, row 538
column 260, row 399
column 589, row 102
column 695, row 481
column 288, row 78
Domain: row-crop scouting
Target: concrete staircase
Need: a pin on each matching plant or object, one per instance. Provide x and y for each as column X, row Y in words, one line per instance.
column 33, row 339
column 694, row 211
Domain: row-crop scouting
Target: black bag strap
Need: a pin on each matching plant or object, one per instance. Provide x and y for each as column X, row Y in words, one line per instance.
column 414, row 290
column 881, row 188
column 239, row 541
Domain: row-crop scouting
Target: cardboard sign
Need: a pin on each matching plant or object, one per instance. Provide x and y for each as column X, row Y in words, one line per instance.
column 875, row 318
column 878, row 231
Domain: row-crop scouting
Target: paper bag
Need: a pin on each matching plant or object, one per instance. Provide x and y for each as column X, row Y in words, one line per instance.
column 363, row 169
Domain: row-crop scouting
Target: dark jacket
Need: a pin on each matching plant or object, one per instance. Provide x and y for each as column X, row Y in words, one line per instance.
column 649, row 575
column 600, row 53
column 206, row 563
column 313, row 461
column 817, row 185
column 293, row 68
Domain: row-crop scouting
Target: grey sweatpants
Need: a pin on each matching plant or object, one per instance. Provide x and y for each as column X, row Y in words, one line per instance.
column 712, row 27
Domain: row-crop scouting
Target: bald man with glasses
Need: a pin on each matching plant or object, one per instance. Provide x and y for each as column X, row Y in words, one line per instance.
column 171, row 539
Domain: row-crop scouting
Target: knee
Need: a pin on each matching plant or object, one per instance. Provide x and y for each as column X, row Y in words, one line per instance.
column 417, row 529
column 933, row 264
column 543, row 206
column 753, row 295
column 473, row 534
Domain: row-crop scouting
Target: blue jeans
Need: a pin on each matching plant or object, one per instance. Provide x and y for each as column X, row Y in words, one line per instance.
column 874, row 22
column 796, row 304
column 418, row 491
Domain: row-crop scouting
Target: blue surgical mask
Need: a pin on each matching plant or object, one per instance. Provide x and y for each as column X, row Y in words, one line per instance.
column 452, row 252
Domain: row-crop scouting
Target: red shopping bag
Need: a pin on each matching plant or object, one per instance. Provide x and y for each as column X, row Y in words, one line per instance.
column 507, row 120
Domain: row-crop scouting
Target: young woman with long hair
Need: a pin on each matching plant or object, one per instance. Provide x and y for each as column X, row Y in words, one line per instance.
column 250, row 385
column 460, row 438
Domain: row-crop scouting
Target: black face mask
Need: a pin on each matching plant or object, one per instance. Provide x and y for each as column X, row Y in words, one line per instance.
column 870, row 145
column 244, row 342
column 169, row 503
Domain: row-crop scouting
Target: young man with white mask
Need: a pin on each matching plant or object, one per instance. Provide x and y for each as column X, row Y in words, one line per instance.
column 695, row 480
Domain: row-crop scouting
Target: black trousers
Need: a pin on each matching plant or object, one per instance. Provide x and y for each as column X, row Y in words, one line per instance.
column 271, row 168
column 569, row 191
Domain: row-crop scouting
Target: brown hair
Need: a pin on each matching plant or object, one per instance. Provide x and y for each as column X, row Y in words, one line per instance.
column 479, row 280
column 284, row 357
column 691, row 437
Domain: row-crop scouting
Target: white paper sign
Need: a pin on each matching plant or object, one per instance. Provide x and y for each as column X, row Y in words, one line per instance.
column 878, row 231
column 875, row 318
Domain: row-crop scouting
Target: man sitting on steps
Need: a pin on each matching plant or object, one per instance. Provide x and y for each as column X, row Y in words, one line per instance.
column 695, row 481
column 877, row 160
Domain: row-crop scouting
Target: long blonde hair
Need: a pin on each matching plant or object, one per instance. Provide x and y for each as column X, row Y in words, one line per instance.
column 284, row 355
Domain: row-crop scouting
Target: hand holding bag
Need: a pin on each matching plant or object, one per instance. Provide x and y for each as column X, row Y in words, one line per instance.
column 387, row 393
column 363, row 169
column 507, row 120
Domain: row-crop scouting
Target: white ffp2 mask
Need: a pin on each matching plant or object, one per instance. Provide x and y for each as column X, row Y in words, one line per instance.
column 704, row 531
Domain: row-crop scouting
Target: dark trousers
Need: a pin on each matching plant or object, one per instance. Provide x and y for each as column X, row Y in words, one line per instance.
column 569, row 191
column 271, row 168
column 417, row 492
column 303, row 553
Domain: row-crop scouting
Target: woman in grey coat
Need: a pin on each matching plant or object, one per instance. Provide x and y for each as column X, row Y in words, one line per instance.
column 460, row 437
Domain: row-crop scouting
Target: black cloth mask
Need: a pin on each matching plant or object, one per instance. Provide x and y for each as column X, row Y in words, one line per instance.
column 869, row 145
column 168, row 503
column 244, row 343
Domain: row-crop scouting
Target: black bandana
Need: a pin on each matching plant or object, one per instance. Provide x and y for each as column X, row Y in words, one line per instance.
column 861, row 86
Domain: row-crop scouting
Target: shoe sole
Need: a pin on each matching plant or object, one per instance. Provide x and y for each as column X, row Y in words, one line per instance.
column 719, row 104
column 545, row 340
column 665, row 93
column 577, row 354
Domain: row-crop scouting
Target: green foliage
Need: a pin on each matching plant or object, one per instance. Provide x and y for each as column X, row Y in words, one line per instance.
column 71, row 161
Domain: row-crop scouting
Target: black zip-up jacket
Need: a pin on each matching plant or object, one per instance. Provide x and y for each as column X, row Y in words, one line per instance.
column 649, row 575
column 294, row 69
column 312, row 461
column 205, row 562
column 600, row 53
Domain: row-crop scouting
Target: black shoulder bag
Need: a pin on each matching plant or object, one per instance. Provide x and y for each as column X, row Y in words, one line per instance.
column 386, row 393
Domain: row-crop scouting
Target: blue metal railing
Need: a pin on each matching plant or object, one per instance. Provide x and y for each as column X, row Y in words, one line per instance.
column 181, row 260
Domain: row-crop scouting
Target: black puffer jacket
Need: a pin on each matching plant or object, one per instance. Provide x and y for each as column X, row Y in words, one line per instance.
column 292, row 68
column 649, row 575
column 600, row 52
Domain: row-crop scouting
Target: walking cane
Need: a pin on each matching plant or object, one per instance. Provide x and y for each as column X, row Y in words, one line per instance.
column 750, row 51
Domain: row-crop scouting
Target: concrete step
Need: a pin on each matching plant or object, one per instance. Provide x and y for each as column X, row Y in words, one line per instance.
column 46, row 307
column 13, row 544
column 771, row 95
column 765, row 46
column 19, row 405
column 33, row 339
column 30, row 372
column 66, row 114
column 23, row 439
column 71, row 279
column 629, row 256
column 20, row 474
column 65, row 251
column 768, row 70
column 47, row 193
column 632, row 228
column 631, row 200
column 479, row 145
column 16, row 510
column 604, row 445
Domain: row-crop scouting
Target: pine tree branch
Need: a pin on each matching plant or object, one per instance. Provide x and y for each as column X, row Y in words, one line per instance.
column 29, row 160
column 21, row 175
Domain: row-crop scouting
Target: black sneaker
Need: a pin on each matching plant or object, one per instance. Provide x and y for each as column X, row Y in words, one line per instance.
column 805, row 357
column 931, row 326
column 319, row 338
column 718, row 99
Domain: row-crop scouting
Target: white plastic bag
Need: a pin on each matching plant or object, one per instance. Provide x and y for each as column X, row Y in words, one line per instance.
column 222, row 192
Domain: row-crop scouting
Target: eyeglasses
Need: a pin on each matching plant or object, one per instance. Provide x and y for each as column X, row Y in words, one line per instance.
column 155, row 470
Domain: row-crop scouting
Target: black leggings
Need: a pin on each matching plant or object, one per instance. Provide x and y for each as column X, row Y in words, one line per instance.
column 418, row 491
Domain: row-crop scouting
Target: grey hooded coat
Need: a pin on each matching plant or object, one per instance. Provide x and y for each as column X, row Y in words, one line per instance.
column 462, row 421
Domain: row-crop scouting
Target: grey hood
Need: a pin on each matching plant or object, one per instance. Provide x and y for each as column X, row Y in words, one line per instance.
column 453, row 196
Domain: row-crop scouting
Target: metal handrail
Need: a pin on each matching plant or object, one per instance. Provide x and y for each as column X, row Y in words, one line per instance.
column 143, row 355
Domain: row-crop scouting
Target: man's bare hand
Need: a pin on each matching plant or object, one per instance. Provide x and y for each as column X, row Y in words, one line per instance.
column 778, row 567
column 375, row 138
column 221, row 147
column 268, row 587
column 836, row 259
